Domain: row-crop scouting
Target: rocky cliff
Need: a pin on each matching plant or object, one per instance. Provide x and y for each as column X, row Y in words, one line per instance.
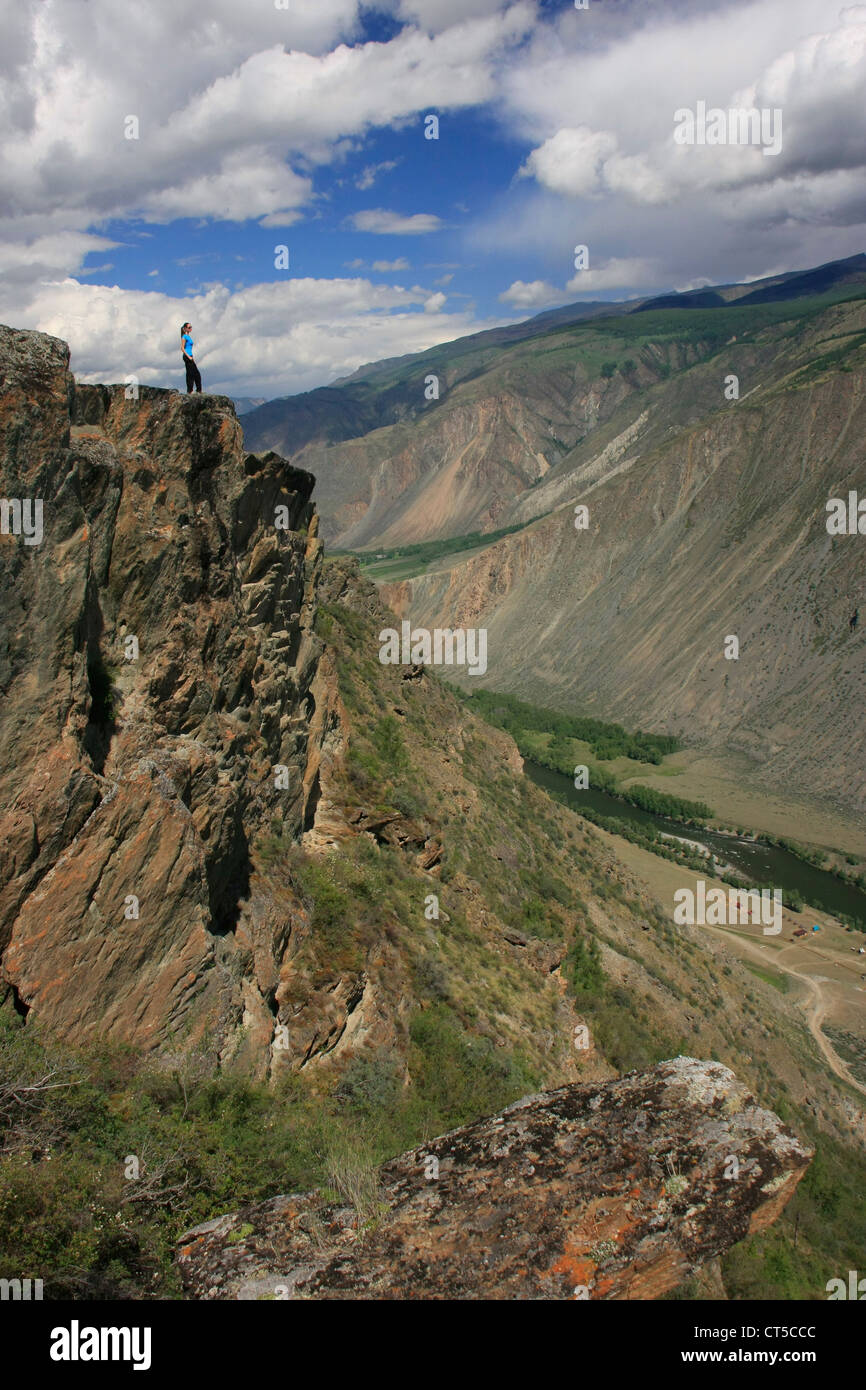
column 156, row 665
column 216, row 835
column 612, row 1191
column 316, row 886
column 226, row 825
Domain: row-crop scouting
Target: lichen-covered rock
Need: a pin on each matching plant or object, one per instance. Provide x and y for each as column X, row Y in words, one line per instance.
column 617, row 1190
column 157, row 660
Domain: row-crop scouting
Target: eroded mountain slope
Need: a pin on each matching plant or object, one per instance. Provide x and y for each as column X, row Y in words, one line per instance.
column 703, row 523
column 460, row 438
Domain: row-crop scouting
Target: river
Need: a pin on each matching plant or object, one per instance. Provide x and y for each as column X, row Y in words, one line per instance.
column 765, row 865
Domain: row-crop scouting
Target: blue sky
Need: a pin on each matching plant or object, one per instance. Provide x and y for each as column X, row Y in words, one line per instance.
column 304, row 126
column 398, row 169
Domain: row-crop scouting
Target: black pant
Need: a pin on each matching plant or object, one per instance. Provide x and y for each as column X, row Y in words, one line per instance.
column 193, row 375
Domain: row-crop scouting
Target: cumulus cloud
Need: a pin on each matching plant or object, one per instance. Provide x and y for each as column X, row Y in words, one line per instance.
column 571, row 161
column 267, row 89
column 722, row 212
column 588, row 163
column 270, row 339
column 815, row 77
column 25, row 257
column 535, row 294
column 249, row 183
column 619, row 273
column 231, row 127
column 241, row 123
column 384, row 223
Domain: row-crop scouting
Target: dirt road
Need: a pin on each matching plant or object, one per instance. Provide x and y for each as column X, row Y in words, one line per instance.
column 816, row 1007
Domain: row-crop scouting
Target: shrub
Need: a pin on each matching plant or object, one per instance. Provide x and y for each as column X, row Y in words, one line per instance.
column 387, row 738
column 431, row 978
column 582, row 965
column 371, row 1083
column 459, row 1076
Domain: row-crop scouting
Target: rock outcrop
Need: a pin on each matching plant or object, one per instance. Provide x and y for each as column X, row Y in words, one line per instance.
column 157, row 660
column 616, row 1190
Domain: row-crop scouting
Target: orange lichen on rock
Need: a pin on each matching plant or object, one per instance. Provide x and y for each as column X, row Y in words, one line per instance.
column 519, row 1210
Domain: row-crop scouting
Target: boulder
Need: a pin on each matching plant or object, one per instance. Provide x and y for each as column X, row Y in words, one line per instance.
column 613, row 1190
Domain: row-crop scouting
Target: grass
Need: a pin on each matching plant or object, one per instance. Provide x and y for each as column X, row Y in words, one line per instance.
column 419, row 555
column 776, row 978
column 208, row 1143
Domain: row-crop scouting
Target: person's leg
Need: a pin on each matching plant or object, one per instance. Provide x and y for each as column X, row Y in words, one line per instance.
column 190, row 369
column 197, row 377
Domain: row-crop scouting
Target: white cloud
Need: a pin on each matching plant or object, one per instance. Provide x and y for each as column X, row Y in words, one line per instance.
column 231, row 127
column 384, row 223
column 812, row 65
column 249, row 183
column 368, row 176
column 619, row 273
column 723, row 212
column 571, row 161
column 312, row 101
column 242, row 117
column 587, row 163
column 660, row 57
column 267, row 339
column 633, row 175
column 281, row 219
column 535, row 294
column 400, row 264
column 229, row 114
column 25, row 257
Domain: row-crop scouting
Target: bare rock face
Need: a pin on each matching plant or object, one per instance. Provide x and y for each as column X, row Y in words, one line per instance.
column 618, row 1190
column 156, row 664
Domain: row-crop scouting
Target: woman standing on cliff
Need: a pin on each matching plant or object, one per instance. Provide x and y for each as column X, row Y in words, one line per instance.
column 193, row 375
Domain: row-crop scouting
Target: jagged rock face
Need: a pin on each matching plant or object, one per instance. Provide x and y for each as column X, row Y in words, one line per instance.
column 156, row 663
column 617, row 1190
